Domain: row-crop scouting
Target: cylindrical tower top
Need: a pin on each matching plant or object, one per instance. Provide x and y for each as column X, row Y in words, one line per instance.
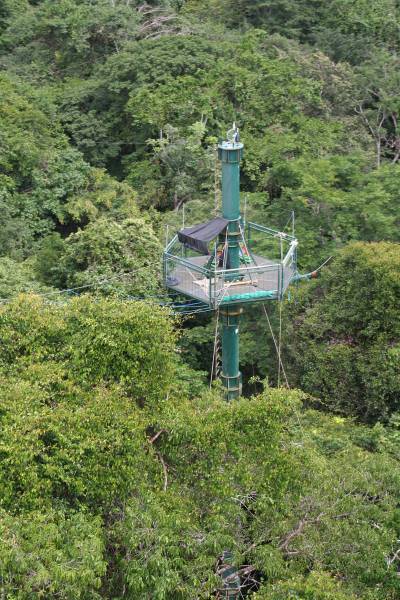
column 229, row 152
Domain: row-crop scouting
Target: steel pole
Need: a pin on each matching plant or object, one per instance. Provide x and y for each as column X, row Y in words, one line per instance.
column 230, row 153
column 231, row 376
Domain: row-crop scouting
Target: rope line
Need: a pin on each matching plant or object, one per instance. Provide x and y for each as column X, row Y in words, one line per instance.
column 280, row 343
column 295, row 411
column 323, row 264
column 213, row 366
column 276, row 347
column 194, row 306
column 280, row 323
column 99, row 283
column 291, row 219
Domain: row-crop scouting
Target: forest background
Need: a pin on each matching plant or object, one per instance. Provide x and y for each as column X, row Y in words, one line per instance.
column 123, row 473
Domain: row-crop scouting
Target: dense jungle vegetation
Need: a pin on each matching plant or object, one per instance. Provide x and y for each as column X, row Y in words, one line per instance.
column 123, row 474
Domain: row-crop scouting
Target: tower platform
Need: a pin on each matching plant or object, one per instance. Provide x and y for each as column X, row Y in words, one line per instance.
column 265, row 271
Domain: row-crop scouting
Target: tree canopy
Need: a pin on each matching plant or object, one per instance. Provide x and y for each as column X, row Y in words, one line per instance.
column 123, row 473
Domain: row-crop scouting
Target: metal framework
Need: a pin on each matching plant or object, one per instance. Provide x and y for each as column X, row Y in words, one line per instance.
column 262, row 263
column 258, row 280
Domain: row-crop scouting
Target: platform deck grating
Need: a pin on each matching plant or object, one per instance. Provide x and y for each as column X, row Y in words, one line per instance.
column 196, row 285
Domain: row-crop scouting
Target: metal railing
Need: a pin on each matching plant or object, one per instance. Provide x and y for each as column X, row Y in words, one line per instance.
column 191, row 276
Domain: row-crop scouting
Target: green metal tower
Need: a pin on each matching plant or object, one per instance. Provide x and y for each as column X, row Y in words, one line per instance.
column 230, row 154
column 225, row 264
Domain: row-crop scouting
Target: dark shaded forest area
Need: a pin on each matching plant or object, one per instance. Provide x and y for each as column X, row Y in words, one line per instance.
column 124, row 474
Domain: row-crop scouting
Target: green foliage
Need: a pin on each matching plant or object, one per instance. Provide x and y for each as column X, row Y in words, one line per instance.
column 215, row 454
column 345, row 335
column 349, row 30
column 69, row 36
column 97, row 340
column 18, row 277
column 160, row 540
column 101, row 196
column 378, row 105
column 186, row 168
column 124, row 255
column 45, row 183
column 318, row 586
column 334, row 202
column 338, row 533
column 79, row 452
column 136, row 351
column 113, row 482
column 360, row 24
column 183, row 88
column 73, row 442
column 290, row 18
column 122, row 475
column 8, row 9
column 49, row 554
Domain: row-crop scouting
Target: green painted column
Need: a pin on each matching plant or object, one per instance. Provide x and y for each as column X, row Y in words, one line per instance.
column 230, row 153
column 231, row 376
column 231, row 583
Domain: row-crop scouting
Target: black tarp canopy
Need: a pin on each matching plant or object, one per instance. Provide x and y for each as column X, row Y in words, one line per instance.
column 198, row 237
